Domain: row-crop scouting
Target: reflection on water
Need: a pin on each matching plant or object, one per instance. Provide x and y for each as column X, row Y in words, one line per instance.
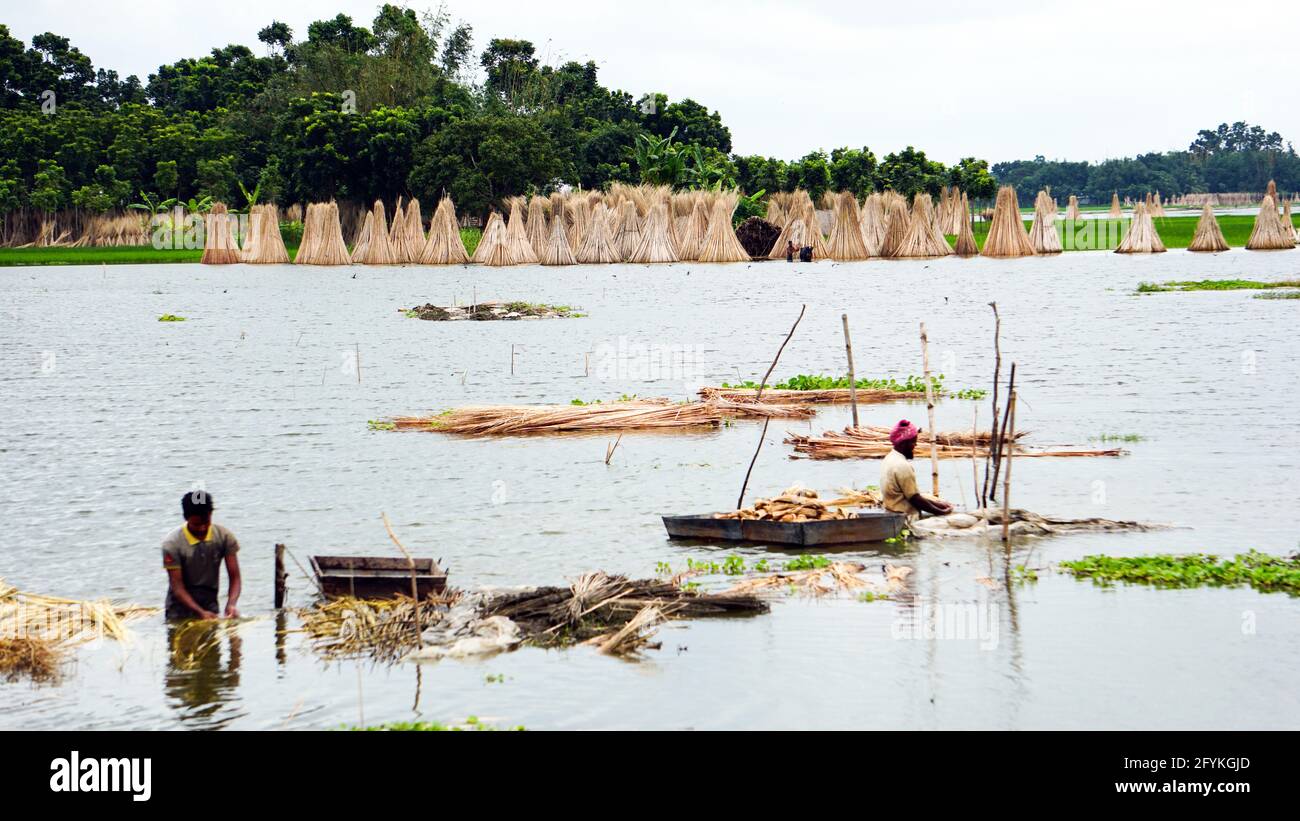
column 99, row 436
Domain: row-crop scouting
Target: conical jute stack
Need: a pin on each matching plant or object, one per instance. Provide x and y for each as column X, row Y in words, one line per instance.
column 444, row 245
column 1072, row 211
column 656, row 245
column 721, row 243
column 896, row 229
column 538, row 233
column 406, row 237
column 597, row 244
column 265, row 245
column 518, row 248
column 966, row 245
column 691, row 235
column 787, row 235
column 578, row 214
column 813, row 235
column 373, row 247
column 1269, row 234
column 1042, row 234
column 1287, row 223
column 1007, row 235
column 775, row 214
column 628, row 235
column 873, row 224
column 921, row 241
column 556, row 251
column 1142, row 237
column 322, row 237
column 491, row 248
column 219, row 244
column 1208, row 236
column 846, row 243
column 1115, row 211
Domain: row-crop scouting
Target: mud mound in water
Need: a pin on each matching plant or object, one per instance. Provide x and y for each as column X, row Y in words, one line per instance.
column 488, row 311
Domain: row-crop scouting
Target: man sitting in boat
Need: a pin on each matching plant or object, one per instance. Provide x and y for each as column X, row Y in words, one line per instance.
column 898, row 478
column 193, row 555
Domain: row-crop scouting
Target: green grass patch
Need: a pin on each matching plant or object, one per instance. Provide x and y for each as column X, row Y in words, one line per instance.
column 1119, row 437
column 1175, row 232
column 1214, row 285
column 1259, row 570
column 471, row 237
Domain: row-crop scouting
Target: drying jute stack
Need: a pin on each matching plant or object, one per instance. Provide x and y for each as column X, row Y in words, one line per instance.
column 795, row 230
column 519, row 251
column 265, row 245
column 407, row 236
column 656, row 245
column 1115, row 211
column 966, row 245
column 1208, row 236
column 557, row 251
column 720, row 242
column 578, row 214
column 873, row 224
column 871, row 442
column 775, row 396
column 1007, row 235
column 1157, row 208
column 775, row 214
column 1288, row 223
column 219, row 244
column 491, row 248
column 373, row 247
column 1269, row 234
column 597, row 245
column 1042, row 235
column 444, row 245
column 846, row 243
column 536, row 228
column 396, row 228
column 690, row 240
column 1142, row 237
column 921, row 240
column 322, row 237
column 627, row 234
column 896, row 230
column 1072, row 211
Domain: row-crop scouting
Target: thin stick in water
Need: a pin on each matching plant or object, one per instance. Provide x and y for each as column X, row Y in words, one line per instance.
column 853, row 384
column 929, row 406
column 766, row 419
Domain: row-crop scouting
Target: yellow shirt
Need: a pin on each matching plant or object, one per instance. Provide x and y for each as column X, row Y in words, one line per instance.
column 898, row 484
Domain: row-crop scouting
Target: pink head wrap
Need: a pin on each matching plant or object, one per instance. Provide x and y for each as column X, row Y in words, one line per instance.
column 903, row 431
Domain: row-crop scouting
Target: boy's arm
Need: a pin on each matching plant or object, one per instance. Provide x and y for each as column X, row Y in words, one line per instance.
column 183, row 596
column 236, row 585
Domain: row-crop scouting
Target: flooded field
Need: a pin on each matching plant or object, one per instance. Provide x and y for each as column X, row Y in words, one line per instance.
column 109, row 415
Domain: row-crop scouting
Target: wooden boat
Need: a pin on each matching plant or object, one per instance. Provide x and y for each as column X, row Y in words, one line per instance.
column 376, row 577
column 865, row 526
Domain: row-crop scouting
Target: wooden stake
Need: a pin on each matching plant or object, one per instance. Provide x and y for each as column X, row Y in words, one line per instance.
column 1006, row 477
column 929, row 406
column 415, row 587
column 766, row 419
column 853, row 383
column 997, row 374
column 281, row 577
column 1000, row 437
column 974, row 461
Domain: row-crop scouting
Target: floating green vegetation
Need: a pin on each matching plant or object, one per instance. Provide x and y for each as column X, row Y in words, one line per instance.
column 379, row 424
column 1259, row 570
column 539, row 309
column 499, row 678
column 913, row 384
column 472, row 724
column 869, row 596
column 583, row 402
column 1214, row 285
column 735, row 565
column 807, row 563
column 903, row 536
column 1278, row 295
column 1021, row 574
column 171, row 318
column 1119, row 437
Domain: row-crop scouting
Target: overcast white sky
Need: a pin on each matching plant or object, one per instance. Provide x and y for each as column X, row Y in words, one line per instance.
column 1003, row 80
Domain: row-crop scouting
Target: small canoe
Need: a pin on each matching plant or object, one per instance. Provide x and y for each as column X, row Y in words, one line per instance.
column 376, row 577
column 865, row 526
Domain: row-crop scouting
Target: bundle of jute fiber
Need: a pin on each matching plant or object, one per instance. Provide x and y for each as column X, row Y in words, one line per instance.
column 896, row 229
column 656, row 245
column 628, row 234
column 538, row 233
column 720, row 242
column 921, row 241
column 775, row 214
column 1007, row 236
column 1072, row 210
column 1043, row 235
column 265, row 245
column 362, row 241
column 491, row 248
column 814, row 235
column 1115, row 211
column 873, row 224
column 395, row 230
column 407, row 235
column 444, row 245
column 322, row 237
column 846, row 241
column 1287, row 223
column 518, row 248
column 1208, row 236
column 578, row 220
column 795, row 230
column 1269, row 234
column 966, row 245
column 597, row 245
column 1158, row 209
column 219, row 244
column 870, row 442
column 1142, row 237
column 373, row 248
column 557, row 250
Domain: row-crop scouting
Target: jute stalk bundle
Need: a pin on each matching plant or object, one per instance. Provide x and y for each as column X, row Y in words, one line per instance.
column 1007, row 236
column 444, row 245
column 407, row 235
column 896, row 230
column 775, row 214
column 518, row 249
column 1115, row 212
column 873, row 224
column 1142, row 237
column 265, row 245
column 597, row 246
column 1287, row 223
column 1072, row 211
column 697, row 226
column 966, row 245
column 491, row 248
column 579, row 213
column 656, row 245
column 1269, row 234
column 628, row 234
column 1042, row 235
column 557, row 251
column 1157, row 209
column 322, row 237
column 720, row 242
column 219, row 244
column 873, row 443
column 846, row 241
column 1208, row 236
column 373, row 248
column 794, row 230
column 519, row 420
column 1271, row 190
column 865, row 396
column 538, row 233
column 921, row 241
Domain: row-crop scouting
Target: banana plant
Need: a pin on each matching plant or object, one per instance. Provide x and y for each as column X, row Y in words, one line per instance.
column 149, row 204
column 250, row 197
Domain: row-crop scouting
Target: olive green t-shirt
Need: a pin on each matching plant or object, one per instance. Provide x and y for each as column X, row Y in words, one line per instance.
column 200, row 564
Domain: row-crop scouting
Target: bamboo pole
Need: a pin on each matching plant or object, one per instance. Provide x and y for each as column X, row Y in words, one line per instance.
column 974, row 461
column 415, row 585
column 1006, row 477
column 853, row 384
column 1000, row 438
column 758, row 397
column 929, row 407
column 281, row 577
column 997, row 372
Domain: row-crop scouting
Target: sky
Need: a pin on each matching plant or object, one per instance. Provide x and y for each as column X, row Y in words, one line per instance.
column 1001, row 81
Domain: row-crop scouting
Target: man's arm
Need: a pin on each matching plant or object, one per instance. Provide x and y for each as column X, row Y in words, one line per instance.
column 937, row 507
column 236, row 584
column 183, row 596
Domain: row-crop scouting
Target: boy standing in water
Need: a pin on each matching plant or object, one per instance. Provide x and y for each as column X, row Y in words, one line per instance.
column 193, row 555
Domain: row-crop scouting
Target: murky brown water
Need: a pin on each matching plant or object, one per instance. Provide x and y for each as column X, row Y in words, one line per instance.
column 110, row 415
